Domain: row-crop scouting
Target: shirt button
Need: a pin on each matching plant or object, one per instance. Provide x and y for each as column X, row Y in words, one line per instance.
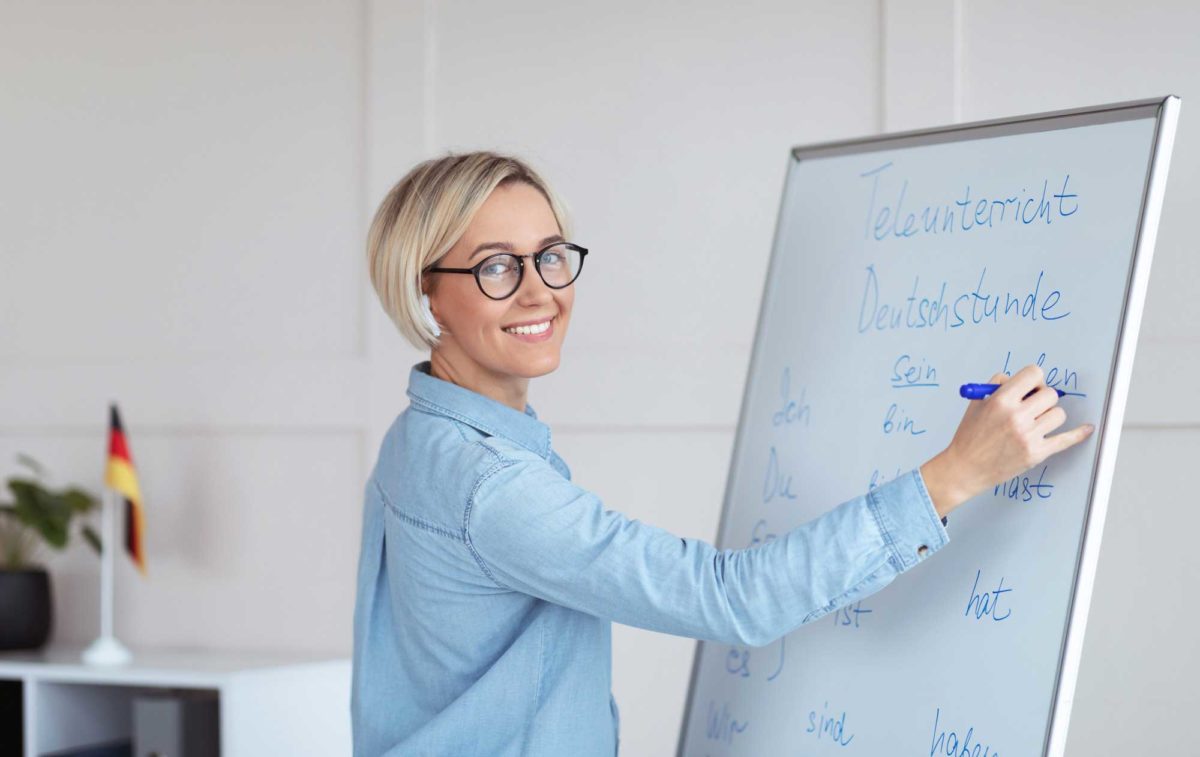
column 922, row 550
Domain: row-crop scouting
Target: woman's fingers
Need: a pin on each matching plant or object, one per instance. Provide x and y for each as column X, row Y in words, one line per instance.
column 1059, row 442
column 1007, row 433
column 976, row 407
column 1022, row 382
column 1042, row 399
column 1049, row 420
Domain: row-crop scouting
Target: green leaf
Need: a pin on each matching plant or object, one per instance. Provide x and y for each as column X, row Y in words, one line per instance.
column 92, row 538
column 30, row 463
column 44, row 512
column 78, row 500
column 40, row 510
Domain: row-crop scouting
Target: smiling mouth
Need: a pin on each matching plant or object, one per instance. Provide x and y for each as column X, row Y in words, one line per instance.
column 530, row 330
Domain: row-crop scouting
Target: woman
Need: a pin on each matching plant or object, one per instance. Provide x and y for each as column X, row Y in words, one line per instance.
column 487, row 581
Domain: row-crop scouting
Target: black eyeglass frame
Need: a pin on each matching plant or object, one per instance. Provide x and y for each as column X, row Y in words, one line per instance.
column 537, row 264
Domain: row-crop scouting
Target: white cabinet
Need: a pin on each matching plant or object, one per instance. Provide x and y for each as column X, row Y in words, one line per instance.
column 289, row 704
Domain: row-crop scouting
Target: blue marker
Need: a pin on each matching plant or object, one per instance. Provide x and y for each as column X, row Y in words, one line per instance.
column 981, row 391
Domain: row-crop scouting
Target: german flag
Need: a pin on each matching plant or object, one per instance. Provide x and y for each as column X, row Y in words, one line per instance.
column 119, row 475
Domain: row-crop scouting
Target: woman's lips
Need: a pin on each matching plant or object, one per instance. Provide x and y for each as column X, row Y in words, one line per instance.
column 533, row 338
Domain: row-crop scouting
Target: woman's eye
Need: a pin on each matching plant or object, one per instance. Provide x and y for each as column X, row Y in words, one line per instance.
column 552, row 258
column 498, row 266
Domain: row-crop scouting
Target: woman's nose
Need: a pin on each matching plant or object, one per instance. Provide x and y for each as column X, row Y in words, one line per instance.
column 532, row 287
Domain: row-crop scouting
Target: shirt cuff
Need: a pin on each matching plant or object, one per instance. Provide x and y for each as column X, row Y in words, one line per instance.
column 907, row 519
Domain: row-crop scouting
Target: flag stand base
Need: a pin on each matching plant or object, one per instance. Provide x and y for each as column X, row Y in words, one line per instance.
column 106, row 650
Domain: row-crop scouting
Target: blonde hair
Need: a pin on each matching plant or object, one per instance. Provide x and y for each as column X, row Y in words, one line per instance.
column 423, row 217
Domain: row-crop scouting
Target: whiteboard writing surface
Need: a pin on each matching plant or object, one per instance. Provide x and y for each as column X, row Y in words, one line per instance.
column 902, row 267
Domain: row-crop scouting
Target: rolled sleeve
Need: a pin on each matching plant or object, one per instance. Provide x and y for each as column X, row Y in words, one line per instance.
column 908, row 521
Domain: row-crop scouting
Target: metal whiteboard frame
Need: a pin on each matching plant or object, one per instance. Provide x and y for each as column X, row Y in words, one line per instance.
column 1166, row 112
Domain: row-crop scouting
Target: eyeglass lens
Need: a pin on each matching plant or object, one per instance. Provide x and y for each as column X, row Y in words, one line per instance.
column 500, row 275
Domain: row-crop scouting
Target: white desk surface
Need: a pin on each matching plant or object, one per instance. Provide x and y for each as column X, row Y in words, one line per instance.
column 181, row 667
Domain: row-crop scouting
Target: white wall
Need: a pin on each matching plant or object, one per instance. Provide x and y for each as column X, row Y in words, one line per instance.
column 187, row 185
column 181, row 209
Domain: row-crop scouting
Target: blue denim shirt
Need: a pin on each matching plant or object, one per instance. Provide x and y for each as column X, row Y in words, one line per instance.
column 488, row 583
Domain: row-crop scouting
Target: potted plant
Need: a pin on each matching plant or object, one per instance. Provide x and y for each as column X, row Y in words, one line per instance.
column 36, row 514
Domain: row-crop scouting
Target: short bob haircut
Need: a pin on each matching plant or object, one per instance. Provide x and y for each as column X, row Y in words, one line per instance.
column 425, row 215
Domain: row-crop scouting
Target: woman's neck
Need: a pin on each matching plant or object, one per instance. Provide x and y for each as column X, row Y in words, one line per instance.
column 458, row 369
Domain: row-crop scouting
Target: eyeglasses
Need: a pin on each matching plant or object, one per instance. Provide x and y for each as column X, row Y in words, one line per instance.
column 500, row 275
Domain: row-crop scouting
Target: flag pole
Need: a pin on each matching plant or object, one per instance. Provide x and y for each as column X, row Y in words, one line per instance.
column 106, row 650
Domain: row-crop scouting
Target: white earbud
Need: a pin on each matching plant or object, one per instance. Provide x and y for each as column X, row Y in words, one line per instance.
column 428, row 313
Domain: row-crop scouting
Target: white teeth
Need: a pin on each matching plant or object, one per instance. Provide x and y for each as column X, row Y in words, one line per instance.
column 537, row 328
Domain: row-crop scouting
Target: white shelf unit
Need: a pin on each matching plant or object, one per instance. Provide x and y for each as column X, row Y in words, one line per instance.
column 268, row 703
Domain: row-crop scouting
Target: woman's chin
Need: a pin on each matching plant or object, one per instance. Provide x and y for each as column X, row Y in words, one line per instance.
column 542, row 370
column 532, row 366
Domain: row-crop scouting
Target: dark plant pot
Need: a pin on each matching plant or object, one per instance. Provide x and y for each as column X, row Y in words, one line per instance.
column 24, row 608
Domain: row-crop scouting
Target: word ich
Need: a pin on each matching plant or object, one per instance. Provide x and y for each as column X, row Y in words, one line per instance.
column 791, row 410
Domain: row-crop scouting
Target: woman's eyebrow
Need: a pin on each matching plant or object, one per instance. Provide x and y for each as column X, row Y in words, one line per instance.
column 508, row 247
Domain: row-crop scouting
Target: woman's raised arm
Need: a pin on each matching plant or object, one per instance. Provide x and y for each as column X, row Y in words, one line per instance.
column 533, row 531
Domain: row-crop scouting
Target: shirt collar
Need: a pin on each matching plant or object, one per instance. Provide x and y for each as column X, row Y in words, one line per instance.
column 484, row 413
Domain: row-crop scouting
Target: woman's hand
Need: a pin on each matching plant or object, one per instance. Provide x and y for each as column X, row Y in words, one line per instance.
column 998, row 438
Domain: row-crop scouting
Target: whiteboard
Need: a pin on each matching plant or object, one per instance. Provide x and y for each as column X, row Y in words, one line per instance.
column 904, row 266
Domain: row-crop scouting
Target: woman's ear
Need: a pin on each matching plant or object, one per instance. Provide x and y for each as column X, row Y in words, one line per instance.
column 427, row 290
column 431, row 320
